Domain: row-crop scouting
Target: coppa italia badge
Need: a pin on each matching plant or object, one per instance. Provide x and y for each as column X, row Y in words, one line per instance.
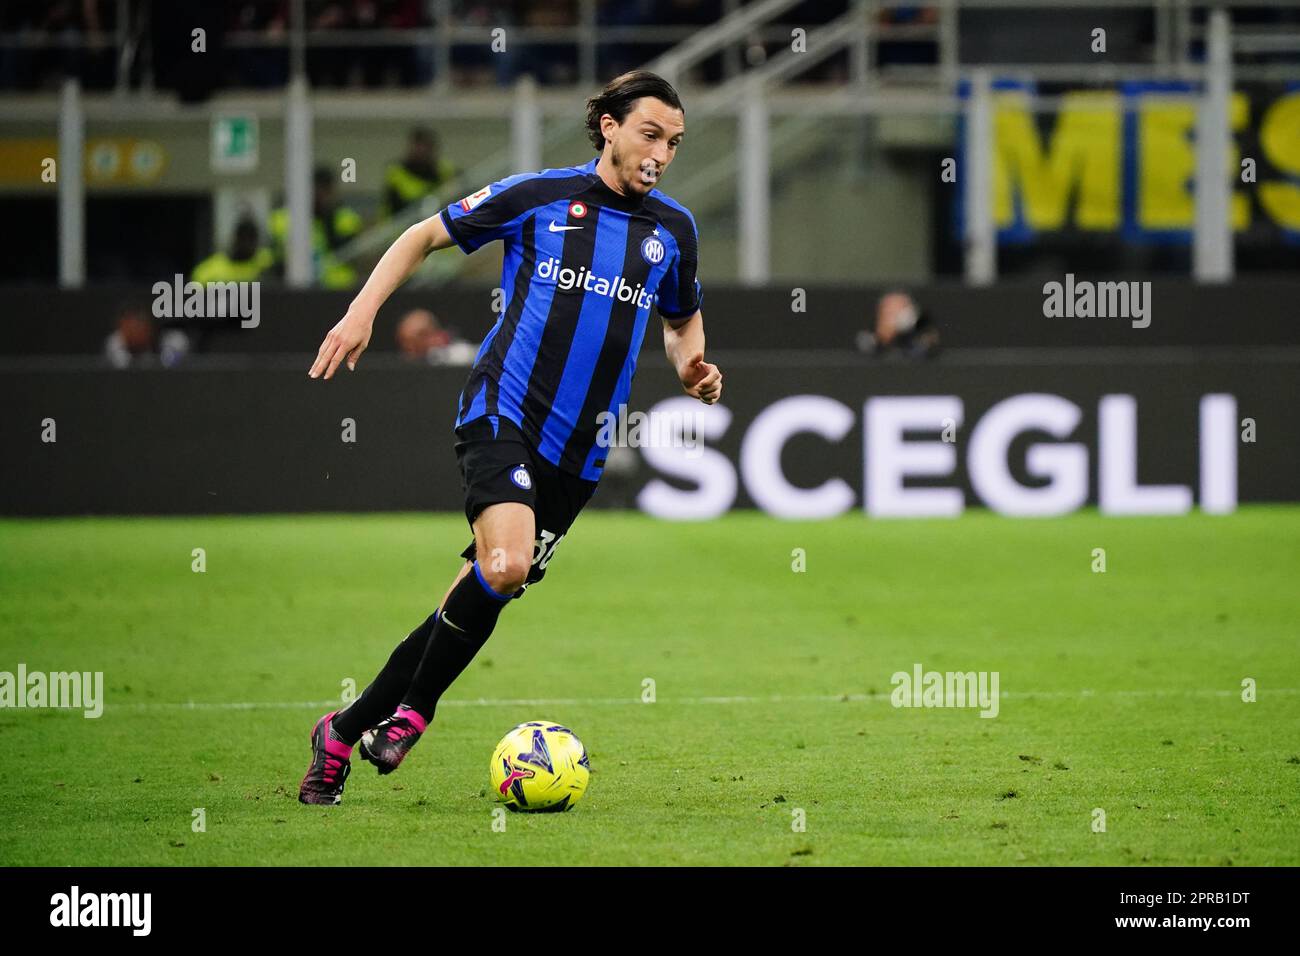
column 577, row 209
column 473, row 199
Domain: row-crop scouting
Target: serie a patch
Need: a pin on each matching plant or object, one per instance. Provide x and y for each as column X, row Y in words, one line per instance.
column 473, row 199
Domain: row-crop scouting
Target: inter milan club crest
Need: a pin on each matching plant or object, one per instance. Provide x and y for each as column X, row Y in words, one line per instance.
column 521, row 477
column 577, row 209
column 652, row 250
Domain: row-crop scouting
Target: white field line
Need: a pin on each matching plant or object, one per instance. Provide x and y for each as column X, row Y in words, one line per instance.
column 770, row 699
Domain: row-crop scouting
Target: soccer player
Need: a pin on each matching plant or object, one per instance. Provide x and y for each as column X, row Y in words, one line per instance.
column 589, row 251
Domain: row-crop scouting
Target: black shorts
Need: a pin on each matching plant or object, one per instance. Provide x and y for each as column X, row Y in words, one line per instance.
column 505, row 467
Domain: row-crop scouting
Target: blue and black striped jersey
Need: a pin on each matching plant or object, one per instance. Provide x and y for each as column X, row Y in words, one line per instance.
column 583, row 266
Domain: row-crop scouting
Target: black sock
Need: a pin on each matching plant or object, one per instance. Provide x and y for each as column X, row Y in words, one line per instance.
column 385, row 692
column 465, row 624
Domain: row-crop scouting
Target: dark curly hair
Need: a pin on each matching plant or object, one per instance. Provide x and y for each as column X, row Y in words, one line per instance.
column 620, row 93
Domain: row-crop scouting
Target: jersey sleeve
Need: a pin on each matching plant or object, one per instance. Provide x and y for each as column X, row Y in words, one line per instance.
column 679, row 292
column 493, row 212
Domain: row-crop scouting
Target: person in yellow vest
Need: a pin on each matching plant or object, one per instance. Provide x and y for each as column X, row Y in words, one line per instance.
column 422, row 172
column 246, row 261
column 333, row 224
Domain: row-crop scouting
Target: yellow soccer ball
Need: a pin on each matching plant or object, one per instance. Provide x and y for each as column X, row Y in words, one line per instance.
column 540, row 767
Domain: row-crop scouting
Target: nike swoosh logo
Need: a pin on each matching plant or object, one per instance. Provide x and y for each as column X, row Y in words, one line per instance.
column 556, row 227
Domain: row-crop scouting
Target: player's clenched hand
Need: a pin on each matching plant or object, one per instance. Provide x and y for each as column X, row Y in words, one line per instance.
column 347, row 340
column 702, row 380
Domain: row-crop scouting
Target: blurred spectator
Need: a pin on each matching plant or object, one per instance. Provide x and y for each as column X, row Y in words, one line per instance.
column 421, row 338
column 901, row 327
column 259, row 66
column 343, row 64
column 616, row 58
column 918, row 49
column 333, row 224
column 84, row 31
column 330, row 65
column 136, row 342
column 174, row 61
column 246, row 261
column 408, row 65
column 421, row 173
column 550, row 62
column 478, row 63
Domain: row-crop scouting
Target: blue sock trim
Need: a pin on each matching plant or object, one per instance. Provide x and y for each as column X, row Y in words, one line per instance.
column 487, row 587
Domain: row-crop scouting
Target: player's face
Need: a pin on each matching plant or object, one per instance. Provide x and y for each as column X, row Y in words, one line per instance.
column 645, row 143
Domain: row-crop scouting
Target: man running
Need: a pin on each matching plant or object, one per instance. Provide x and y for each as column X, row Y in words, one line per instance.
column 588, row 251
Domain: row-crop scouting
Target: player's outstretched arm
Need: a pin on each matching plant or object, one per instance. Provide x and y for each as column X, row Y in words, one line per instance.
column 349, row 338
column 684, row 343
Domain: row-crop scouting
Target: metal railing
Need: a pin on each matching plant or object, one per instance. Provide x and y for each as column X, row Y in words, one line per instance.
column 751, row 99
column 1177, row 39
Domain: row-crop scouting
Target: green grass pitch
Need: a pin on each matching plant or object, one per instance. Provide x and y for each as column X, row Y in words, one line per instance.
column 1121, row 691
